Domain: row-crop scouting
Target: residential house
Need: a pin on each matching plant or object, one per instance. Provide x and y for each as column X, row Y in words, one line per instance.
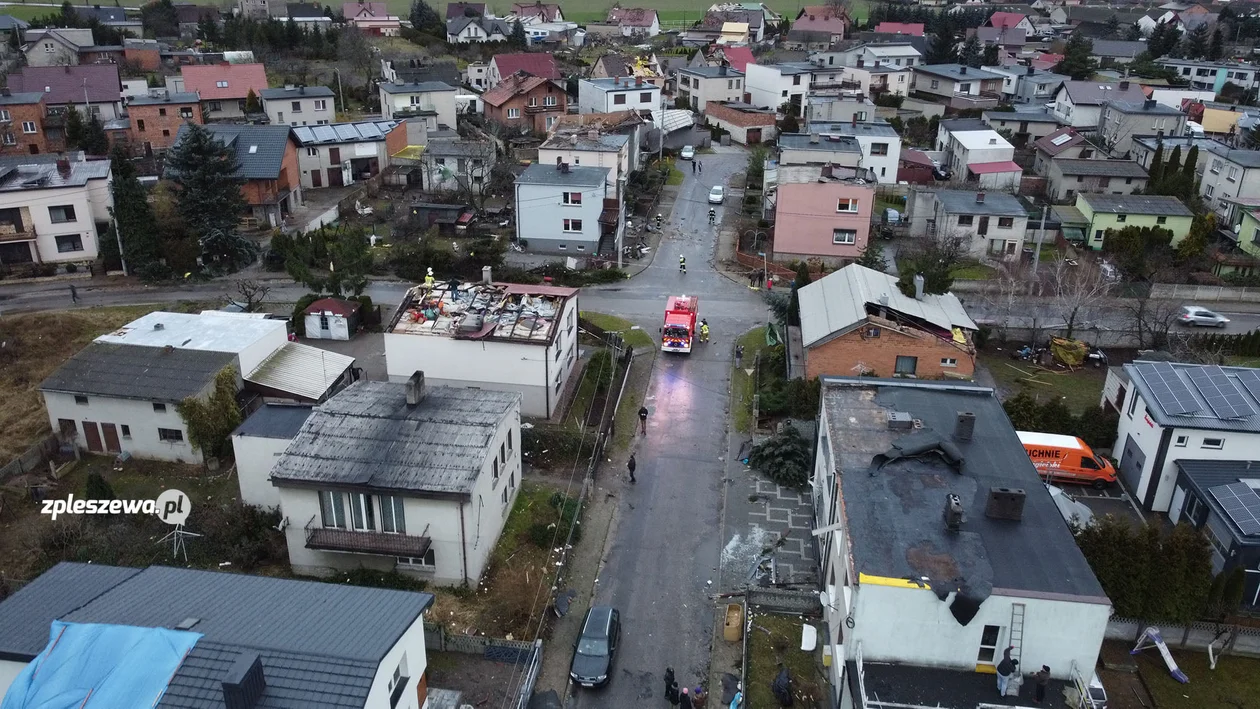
column 475, row 74
column 308, row 16
column 191, row 18
column 1223, row 120
column 1066, row 143
column 22, row 117
column 343, row 154
column 299, row 105
column 1119, row 121
column 871, row 80
column 478, row 28
column 879, row 142
column 1071, row 176
column 736, row 57
column 112, row 17
column 739, row 27
column 142, row 54
column 608, row 95
column 1022, row 582
column 157, row 118
column 983, row 157
column 818, row 26
column 432, row 101
column 67, row 87
column 916, row 168
column 461, row 166
column 455, row 10
column 946, row 126
column 212, row 638
column 267, row 156
column 772, row 85
column 746, row 125
column 988, row 224
column 1028, row 84
column 1010, row 20
column 409, row 71
column 1207, row 496
column 838, row 107
column 259, row 442
column 371, row 18
column 430, row 505
column 224, row 88
column 1079, row 103
column 529, row 344
column 561, row 208
column 612, row 65
column 526, row 101
column 10, row 25
column 536, row 12
column 591, row 149
column 256, row 9
column 54, row 213
column 1025, row 126
column 1212, row 76
column 697, row 86
column 828, row 220
column 863, row 54
column 957, row 86
column 628, row 123
column 812, row 149
column 1115, row 52
column 1230, row 182
column 1009, row 39
column 1101, row 212
column 56, row 46
column 635, row 21
column 540, row 64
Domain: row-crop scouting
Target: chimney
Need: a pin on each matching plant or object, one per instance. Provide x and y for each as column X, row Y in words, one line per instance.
column 592, row 134
column 63, row 166
column 1005, row 503
column 979, row 198
column 1150, row 104
column 158, row 326
column 918, row 286
column 564, row 167
column 814, row 138
column 853, row 120
column 1124, row 86
column 962, row 70
column 1031, row 70
column 638, row 81
column 486, row 275
column 953, row 512
column 244, row 683
column 900, row 421
column 414, row 388
column 5, row 92
column 559, row 162
column 722, row 70
column 965, row 426
column 301, row 88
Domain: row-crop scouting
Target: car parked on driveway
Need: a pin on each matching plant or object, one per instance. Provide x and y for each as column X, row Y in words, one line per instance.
column 717, row 195
column 688, row 152
column 596, row 646
column 1201, row 317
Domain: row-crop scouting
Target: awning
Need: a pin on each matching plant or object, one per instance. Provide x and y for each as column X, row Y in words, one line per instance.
column 301, row 370
column 672, row 119
column 464, row 218
column 988, row 168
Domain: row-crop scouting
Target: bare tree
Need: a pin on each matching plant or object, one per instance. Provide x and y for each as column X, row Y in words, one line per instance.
column 1153, row 320
column 253, row 293
column 1076, row 288
column 1006, row 299
column 355, row 49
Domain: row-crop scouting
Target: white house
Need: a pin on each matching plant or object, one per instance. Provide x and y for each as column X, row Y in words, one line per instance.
column 983, row 156
column 433, row 101
column 257, row 445
column 1175, row 411
column 342, row 154
column 299, row 105
column 532, row 352
column 990, row 224
column 1230, row 178
column 560, row 208
column 939, row 559
column 772, row 85
column 879, row 142
column 467, row 30
column 228, row 639
column 1120, row 121
column 332, row 319
column 590, row 149
column 901, row 54
column 698, row 85
column 959, row 85
column 54, row 212
column 617, row 94
column 1079, row 103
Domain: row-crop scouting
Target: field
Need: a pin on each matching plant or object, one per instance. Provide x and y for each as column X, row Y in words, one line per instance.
column 671, row 12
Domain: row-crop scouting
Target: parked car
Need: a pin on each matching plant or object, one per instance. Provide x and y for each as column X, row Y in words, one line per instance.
column 1201, row 317
column 717, row 195
column 688, row 152
column 596, row 646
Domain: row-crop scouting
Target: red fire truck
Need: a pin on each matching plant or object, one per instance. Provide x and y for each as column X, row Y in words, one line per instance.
column 681, row 320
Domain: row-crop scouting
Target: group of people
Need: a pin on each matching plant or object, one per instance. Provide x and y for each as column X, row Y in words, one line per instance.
column 685, row 698
column 697, row 166
column 1009, row 667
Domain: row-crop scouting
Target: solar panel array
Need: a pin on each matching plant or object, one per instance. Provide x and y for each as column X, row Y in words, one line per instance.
column 342, row 132
column 1250, row 379
column 1242, row 504
column 1170, row 392
column 1220, row 392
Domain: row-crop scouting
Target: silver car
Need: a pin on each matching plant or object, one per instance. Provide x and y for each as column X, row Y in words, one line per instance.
column 1201, row 317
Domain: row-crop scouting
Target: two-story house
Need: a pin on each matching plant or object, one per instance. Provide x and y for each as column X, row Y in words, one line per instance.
column 983, row 157
column 564, row 208
column 22, row 123
column 828, row 220
column 55, row 46
column 957, row 85
column 90, row 88
column 869, row 54
column 431, row 101
column 469, row 30
column 879, row 142
column 540, row 64
column 1210, row 493
column 1027, row 84
column 536, row 12
column 838, row 108
column 635, row 21
column 525, row 100
column 267, row 160
column 1025, row 126
column 1079, row 103
column 1230, row 179
column 1063, row 143
column 54, row 212
column 772, row 85
column 1101, row 212
column 156, row 119
column 697, row 86
column 224, row 88
column 608, row 95
column 987, row 224
column 1212, row 76
column 299, row 105
column 462, row 166
column 1069, row 177
column 590, row 149
column 345, row 153
column 1120, row 121
column 814, row 149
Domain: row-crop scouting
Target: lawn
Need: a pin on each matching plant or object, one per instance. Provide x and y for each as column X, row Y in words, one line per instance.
column 676, row 176
column 633, row 335
column 775, row 641
column 974, row 272
column 1234, row 683
column 32, row 345
column 1240, row 361
column 742, row 385
column 1080, row 390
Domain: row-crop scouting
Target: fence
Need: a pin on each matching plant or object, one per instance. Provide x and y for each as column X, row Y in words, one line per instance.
column 1193, row 636
column 512, row 652
column 1177, row 291
column 784, row 600
column 35, row 457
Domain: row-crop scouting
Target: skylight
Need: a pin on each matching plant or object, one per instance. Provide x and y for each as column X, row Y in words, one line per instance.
column 1060, row 140
column 253, row 149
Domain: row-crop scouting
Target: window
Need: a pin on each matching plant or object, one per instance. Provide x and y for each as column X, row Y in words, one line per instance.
column 140, row 125
column 9, row 138
column 847, row 205
column 936, row 84
column 1006, row 222
column 843, row 236
column 494, row 470
column 645, row 98
column 1122, row 218
column 949, row 362
column 1182, row 441
column 170, row 435
column 619, row 99
column 1132, row 406
column 221, row 84
column 399, row 679
column 166, row 134
column 48, row 47
column 321, row 105
column 509, row 440
column 1161, row 220
column 1232, row 176
column 504, row 496
column 573, row 199
column 422, row 562
column 161, row 111
column 965, row 220
column 392, row 518
column 186, row 113
column 68, row 243
column 784, row 93
column 573, row 225
column 362, row 513
column 879, row 148
column 159, row 408
column 533, row 101
column 549, row 100
column 332, row 509
column 514, row 113
column 80, row 400
column 1128, row 180
column 312, row 152
column 737, row 82
column 296, row 107
column 1213, row 443
column 906, row 365
column 503, row 452
column 1208, row 190
column 28, row 127
column 126, row 431
column 214, row 106
column 988, row 644
column 964, row 88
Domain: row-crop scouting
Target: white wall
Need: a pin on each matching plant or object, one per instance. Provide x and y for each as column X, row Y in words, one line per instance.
column 255, row 457
column 411, row 650
column 441, row 101
column 9, row 670
column 765, row 86
column 884, row 166
column 338, row 327
column 143, row 421
column 701, row 90
column 91, row 203
column 1172, row 97
column 618, row 163
column 541, row 212
column 280, row 110
column 592, row 99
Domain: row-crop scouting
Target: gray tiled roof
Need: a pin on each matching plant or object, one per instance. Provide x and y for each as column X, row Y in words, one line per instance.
column 1137, row 204
column 26, row 615
column 259, row 149
column 577, row 176
column 957, row 72
column 1118, row 48
column 1099, row 168
column 1158, row 109
column 296, row 93
column 368, row 436
column 421, row 87
column 137, row 372
column 274, row 421
column 1094, row 93
column 998, row 204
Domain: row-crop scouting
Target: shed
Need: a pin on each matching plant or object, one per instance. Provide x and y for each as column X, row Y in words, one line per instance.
column 332, row 319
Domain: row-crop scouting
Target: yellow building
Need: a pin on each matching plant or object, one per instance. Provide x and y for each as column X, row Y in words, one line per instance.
column 1107, row 211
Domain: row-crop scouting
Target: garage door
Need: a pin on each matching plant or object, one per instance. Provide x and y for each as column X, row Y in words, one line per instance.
column 1131, row 464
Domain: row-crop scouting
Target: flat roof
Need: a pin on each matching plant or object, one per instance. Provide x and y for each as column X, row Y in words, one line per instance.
column 39, row 176
column 957, row 72
column 894, row 501
column 419, row 87
column 941, row 688
column 712, row 72
column 620, row 84
column 575, row 176
column 980, row 139
column 213, row 331
column 296, row 92
column 1030, row 116
column 1036, row 438
column 282, row 421
column 166, row 99
column 872, row 128
column 510, row 312
column 1099, row 168
column 831, row 143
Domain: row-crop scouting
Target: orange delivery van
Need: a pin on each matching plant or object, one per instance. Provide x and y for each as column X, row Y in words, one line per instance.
column 1067, row 459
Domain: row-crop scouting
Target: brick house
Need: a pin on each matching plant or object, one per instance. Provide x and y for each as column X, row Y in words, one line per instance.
column 856, row 322
column 224, row 88
column 156, row 119
column 525, row 100
column 747, row 125
column 22, row 123
column 268, row 161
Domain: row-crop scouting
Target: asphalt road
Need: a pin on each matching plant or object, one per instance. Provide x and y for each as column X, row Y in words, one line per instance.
column 1045, row 316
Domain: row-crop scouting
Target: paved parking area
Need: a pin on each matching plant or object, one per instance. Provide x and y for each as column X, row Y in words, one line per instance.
column 367, row 348
column 1112, row 500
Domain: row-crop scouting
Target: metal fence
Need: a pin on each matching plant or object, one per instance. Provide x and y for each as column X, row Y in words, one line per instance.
column 784, row 600
column 1177, row 291
column 1229, row 639
column 35, row 457
column 511, row 652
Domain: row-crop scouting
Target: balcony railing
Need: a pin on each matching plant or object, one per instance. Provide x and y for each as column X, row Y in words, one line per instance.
column 380, row 543
column 543, row 109
column 12, row 232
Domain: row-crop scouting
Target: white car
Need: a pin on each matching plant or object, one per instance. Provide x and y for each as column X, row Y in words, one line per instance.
column 717, row 195
column 688, row 152
column 1200, row 316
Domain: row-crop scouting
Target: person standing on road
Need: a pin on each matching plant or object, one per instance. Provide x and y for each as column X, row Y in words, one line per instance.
column 693, row 167
column 699, row 697
column 74, row 294
column 1043, row 680
column 630, row 465
column 704, row 330
column 643, row 414
column 1005, row 669
column 682, row 264
column 701, row 166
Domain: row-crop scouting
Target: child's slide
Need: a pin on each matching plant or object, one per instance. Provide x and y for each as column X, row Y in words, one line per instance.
column 1151, row 638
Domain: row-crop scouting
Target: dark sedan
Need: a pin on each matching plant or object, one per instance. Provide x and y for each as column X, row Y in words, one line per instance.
column 593, row 656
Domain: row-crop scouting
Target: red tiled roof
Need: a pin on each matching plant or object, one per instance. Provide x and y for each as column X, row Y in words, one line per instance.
column 988, row 168
column 916, row 156
column 1047, row 145
column 911, row 28
column 821, row 19
column 1005, row 19
column 67, row 84
column 632, row 16
column 536, row 63
column 239, row 78
column 510, row 86
column 336, row 306
column 351, row 10
column 738, row 57
column 536, row 9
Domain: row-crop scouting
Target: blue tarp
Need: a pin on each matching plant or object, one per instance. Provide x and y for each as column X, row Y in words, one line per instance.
column 90, row 666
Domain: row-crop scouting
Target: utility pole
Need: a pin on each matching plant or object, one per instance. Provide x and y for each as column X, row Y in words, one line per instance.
column 122, row 257
column 340, row 90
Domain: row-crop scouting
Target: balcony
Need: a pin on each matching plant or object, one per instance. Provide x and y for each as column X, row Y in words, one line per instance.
column 380, row 543
column 543, row 109
column 15, row 232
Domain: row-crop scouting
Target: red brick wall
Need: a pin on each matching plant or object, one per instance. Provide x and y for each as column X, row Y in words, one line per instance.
column 159, row 130
column 24, row 142
column 538, row 121
column 146, row 59
column 290, row 178
column 396, row 139
column 842, row 355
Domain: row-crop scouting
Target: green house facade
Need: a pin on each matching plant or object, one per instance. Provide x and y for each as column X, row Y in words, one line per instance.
column 1106, row 211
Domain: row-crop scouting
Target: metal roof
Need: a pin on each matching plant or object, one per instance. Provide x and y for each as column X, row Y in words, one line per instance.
column 838, row 301
column 893, row 506
column 1099, row 168
column 259, row 149
column 1203, row 475
column 995, row 204
column 297, row 92
column 367, row 436
column 420, row 87
column 1137, row 204
column 274, row 421
column 359, row 132
column 576, row 176
column 957, row 72
column 1203, row 417
column 672, row 119
column 304, row 371
column 26, row 615
column 133, row 372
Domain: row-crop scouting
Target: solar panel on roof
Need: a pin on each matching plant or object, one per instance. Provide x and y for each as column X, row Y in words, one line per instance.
column 303, row 134
column 1220, row 393
column 1242, row 504
column 1061, row 139
column 1250, row 379
column 1170, row 392
column 324, row 134
column 369, row 130
column 346, row 132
